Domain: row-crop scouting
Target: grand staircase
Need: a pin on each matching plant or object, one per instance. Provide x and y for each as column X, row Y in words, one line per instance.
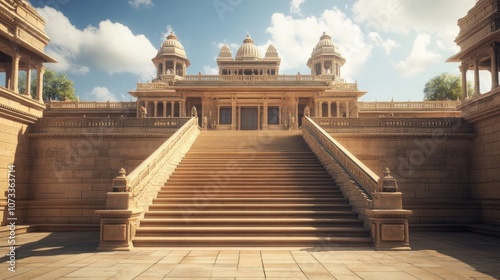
column 250, row 188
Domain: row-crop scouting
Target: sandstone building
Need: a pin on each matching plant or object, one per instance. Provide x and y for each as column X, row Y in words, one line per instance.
column 285, row 148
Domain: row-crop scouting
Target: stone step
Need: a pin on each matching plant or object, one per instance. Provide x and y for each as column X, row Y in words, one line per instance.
column 254, row 231
column 201, row 203
column 280, row 217
column 242, row 241
column 250, row 200
column 342, row 221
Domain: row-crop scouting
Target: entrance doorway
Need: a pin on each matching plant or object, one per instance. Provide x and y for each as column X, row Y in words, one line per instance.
column 249, row 119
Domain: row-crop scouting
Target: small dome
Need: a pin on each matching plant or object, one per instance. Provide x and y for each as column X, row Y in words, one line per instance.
column 225, row 52
column 325, row 45
column 172, row 46
column 271, row 51
column 248, row 51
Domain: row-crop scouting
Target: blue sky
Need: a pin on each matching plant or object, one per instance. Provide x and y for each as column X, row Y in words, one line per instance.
column 392, row 47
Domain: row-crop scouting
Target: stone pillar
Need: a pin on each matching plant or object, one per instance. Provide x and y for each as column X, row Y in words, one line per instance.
column 463, row 69
column 155, row 109
column 146, row 103
column 265, row 120
column 27, row 92
column 239, row 118
column 329, row 109
column 172, row 105
column 477, row 86
column 258, row 118
column 180, row 108
column 347, row 109
column 388, row 219
column 233, row 115
column 337, row 104
column 15, row 73
column 39, row 87
column 279, row 116
column 494, row 67
column 119, row 219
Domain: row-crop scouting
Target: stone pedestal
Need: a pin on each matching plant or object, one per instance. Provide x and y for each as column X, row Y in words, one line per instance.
column 389, row 226
column 118, row 222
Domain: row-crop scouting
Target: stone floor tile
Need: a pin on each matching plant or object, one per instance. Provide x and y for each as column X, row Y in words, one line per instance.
column 386, row 275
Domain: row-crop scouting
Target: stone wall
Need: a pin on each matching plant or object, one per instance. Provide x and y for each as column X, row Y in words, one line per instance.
column 430, row 159
column 70, row 176
column 484, row 112
column 485, row 171
column 14, row 151
column 73, row 161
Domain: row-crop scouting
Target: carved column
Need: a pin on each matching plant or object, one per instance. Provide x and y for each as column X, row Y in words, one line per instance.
column 329, row 109
column 337, row 104
column 258, row 118
column 146, row 105
column 265, row 117
column 172, row 106
column 347, row 113
column 494, row 66
column 233, row 115
column 155, row 109
column 39, row 87
column 477, row 86
column 15, row 73
column 180, row 108
column 389, row 221
column 27, row 92
column 463, row 69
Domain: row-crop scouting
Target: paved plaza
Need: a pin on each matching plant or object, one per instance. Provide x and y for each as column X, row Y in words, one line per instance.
column 73, row 255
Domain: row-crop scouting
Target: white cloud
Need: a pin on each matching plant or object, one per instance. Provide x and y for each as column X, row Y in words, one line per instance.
column 387, row 45
column 295, row 6
column 141, row 3
column 110, row 47
column 295, row 39
column 207, row 70
column 404, row 16
column 101, row 94
column 420, row 58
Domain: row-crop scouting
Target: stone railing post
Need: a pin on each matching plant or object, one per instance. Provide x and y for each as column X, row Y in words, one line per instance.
column 119, row 219
column 388, row 219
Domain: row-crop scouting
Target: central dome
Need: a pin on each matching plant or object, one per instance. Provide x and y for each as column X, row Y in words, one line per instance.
column 248, row 51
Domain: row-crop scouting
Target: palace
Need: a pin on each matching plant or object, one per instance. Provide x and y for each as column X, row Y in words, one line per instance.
column 248, row 93
column 248, row 157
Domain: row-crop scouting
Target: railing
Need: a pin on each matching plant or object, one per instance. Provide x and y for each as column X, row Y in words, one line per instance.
column 228, row 78
column 365, row 177
column 91, row 105
column 151, row 166
column 455, row 123
column 410, row 105
column 71, row 122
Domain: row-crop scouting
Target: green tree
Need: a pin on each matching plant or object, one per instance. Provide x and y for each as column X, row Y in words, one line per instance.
column 56, row 86
column 445, row 87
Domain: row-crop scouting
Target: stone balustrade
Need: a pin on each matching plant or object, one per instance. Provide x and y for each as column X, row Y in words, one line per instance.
column 90, row 105
column 408, row 106
column 46, row 123
column 457, row 124
column 375, row 199
column 366, row 178
column 133, row 193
